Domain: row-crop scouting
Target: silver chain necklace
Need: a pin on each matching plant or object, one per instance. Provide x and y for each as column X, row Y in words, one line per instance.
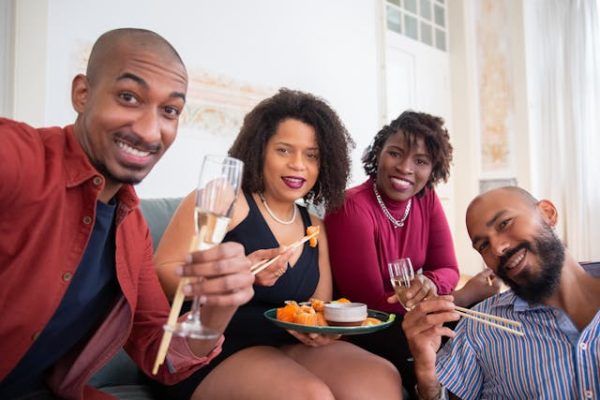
column 275, row 217
column 394, row 221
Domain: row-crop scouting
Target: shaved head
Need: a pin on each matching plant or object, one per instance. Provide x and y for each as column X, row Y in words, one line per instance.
column 109, row 44
column 128, row 104
column 513, row 191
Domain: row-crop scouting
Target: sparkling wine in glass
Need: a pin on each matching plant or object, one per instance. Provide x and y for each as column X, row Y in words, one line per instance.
column 218, row 187
column 402, row 275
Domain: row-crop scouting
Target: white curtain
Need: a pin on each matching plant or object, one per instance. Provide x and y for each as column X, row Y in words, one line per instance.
column 563, row 71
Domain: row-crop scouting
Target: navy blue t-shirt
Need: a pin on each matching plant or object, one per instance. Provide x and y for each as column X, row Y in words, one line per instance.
column 88, row 299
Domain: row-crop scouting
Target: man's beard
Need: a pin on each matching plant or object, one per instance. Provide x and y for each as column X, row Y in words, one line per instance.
column 127, row 180
column 550, row 253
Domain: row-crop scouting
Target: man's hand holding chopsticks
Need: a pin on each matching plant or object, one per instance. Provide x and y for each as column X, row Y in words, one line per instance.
column 423, row 327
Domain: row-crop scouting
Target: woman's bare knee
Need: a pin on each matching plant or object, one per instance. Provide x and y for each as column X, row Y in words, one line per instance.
column 351, row 372
column 384, row 383
column 263, row 373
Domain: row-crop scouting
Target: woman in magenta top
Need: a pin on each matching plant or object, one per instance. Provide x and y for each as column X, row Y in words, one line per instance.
column 395, row 213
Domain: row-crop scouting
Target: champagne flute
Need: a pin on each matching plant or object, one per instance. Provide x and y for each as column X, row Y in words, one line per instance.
column 401, row 275
column 218, row 187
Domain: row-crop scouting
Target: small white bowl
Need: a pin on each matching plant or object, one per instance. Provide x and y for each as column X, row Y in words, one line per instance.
column 345, row 314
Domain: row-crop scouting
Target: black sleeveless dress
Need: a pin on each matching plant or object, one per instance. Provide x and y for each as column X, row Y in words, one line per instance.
column 248, row 326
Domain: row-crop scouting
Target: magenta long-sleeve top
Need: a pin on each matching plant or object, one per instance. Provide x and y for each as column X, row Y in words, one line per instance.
column 362, row 240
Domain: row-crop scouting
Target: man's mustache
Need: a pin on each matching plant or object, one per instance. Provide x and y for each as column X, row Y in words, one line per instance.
column 136, row 141
column 509, row 253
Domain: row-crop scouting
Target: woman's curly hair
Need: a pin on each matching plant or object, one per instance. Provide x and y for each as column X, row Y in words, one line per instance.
column 413, row 126
column 333, row 140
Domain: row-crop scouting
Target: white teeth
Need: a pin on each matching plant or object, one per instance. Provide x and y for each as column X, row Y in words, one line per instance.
column 133, row 151
column 516, row 261
column 401, row 181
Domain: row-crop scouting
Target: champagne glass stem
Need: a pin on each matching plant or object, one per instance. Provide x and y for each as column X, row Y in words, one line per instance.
column 194, row 315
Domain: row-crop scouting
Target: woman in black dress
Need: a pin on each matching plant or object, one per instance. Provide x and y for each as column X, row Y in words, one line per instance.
column 294, row 147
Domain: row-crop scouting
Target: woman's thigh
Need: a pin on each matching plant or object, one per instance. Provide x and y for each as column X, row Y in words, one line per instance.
column 349, row 371
column 261, row 372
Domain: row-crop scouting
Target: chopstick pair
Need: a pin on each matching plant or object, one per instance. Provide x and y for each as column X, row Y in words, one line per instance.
column 488, row 319
column 171, row 321
column 261, row 265
column 173, row 314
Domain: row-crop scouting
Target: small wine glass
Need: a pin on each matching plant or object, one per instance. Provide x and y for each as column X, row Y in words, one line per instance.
column 402, row 275
column 218, row 187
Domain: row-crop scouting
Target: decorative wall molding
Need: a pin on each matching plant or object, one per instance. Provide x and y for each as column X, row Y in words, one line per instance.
column 217, row 104
column 496, row 98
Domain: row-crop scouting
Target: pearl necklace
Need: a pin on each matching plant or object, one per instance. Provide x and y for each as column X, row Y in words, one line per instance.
column 275, row 217
column 394, row 221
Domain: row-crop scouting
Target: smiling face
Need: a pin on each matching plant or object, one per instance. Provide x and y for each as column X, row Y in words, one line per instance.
column 514, row 236
column 128, row 111
column 403, row 170
column 291, row 164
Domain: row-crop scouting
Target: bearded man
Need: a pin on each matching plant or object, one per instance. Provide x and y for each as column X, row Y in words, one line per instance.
column 555, row 298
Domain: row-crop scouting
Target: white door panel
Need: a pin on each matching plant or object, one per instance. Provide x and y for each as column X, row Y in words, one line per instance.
column 400, row 78
column 417, row 78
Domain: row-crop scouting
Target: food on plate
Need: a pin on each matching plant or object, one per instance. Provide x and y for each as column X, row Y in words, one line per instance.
column 317, row 304
column 370, row 321
column 315, row 312
column 341, row 300
column 288, row 312
column 306, row 316
column 312, row 242
column 321, row 321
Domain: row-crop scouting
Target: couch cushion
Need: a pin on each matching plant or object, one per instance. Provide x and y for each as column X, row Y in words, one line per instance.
column 122, row 379
column 158, row 213
column 120, row 370
column 130, row 392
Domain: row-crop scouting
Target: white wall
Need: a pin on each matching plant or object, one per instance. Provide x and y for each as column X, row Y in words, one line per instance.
column 6, row 55
column 30, row 57
column 324, row 47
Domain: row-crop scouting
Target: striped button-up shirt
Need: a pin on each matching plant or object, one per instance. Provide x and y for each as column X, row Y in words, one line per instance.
column 554, row 360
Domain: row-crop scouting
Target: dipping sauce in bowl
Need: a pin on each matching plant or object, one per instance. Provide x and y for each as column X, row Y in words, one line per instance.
column 345, row 314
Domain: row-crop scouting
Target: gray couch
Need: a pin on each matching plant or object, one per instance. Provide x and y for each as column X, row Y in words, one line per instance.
column 121, row 377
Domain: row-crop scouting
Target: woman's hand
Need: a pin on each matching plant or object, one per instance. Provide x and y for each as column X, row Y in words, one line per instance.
column 478, row 288
column 420, row 289
column 314, row 339
column 273, row 272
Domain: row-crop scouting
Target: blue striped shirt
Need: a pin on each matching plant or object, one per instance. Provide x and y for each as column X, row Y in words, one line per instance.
column 552, row 361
